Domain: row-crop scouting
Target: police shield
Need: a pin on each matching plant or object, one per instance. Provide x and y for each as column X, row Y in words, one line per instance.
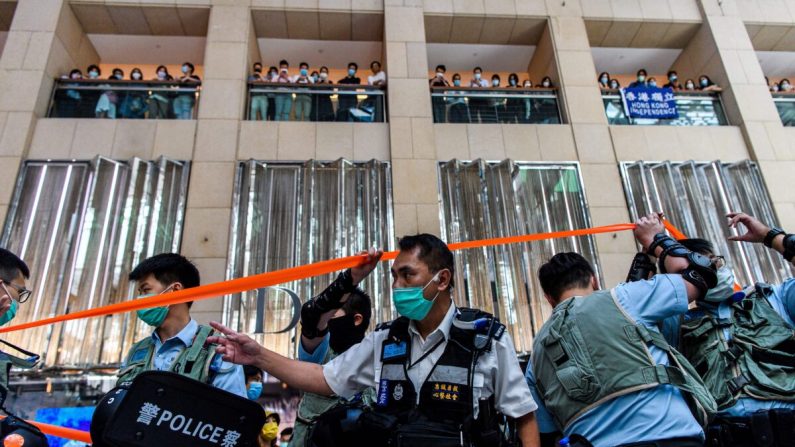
column 162, row 408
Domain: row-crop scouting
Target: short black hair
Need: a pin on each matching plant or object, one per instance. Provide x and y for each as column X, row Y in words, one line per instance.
column 700, row 246
column 303, row 64
column 284, row 62
column 359, row 302
column 375, row 62
column 353, row 64
column 477, row 69
column 432, row 251
column 11, row 266
column 287, row 431
column 168, row 268
column 672, row 72
column 565, row 271
column 643, row 70
column 93, row 67
column 442, row 67
column 192, row 68
column 251, row 371
column 76, row 70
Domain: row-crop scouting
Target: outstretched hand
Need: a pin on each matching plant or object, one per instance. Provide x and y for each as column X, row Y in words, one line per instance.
column 234, row 347
column 756, row 230
column 361, row 271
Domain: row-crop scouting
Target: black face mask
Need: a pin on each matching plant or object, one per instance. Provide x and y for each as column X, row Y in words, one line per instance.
column 343, row 333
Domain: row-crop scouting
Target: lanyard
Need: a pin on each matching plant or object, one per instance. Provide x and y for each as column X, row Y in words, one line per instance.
column 427, row 353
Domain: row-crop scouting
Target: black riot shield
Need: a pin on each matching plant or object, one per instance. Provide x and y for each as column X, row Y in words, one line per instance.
column 166, row 409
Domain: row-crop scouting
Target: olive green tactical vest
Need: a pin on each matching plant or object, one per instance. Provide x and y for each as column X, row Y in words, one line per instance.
column 590, row 351
column 758, row 363
column 313, row 406
column 193, row 362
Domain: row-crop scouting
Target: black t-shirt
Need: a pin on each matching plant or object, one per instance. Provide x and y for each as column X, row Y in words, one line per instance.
column 349, row 80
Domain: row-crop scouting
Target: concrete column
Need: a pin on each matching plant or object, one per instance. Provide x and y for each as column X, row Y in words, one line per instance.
column 582, row 104
column 414, row 166
column 44, row 41
column 221, row 107
column 747, row 100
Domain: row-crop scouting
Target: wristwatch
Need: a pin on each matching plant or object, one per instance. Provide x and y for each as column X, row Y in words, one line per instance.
column 775, row 231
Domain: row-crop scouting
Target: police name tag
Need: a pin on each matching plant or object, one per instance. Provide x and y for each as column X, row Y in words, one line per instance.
column 391, row 351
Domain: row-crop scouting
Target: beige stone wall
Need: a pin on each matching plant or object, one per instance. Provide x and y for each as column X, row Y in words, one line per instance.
column 46, row 39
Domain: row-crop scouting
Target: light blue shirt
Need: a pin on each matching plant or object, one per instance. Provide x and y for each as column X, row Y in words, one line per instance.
column 227, row 376
column 316, row 356
column 653, row 414
column 783, row 302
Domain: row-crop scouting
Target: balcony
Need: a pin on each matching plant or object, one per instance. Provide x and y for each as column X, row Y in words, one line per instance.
column 785, row 103
column 694, row 108
column 494, row 105
column 269, row 101
column 72, row 98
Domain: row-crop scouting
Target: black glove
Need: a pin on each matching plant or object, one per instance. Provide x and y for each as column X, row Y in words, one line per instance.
column 328, row 299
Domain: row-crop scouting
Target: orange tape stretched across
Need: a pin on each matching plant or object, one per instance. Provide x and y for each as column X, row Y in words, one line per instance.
column 286, row 275
column 61, row 432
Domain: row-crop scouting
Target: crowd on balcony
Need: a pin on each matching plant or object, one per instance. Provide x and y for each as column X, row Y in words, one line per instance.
column 91, row 95
column 782, row 86
column 297, row 101
column 642, row 79
column 467, row 105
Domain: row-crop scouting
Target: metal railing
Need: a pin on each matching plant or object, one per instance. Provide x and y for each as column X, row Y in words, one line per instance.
column 103, row 98
column 694, row 108
column 269, row 101
column 785, row 103
column 495, row 105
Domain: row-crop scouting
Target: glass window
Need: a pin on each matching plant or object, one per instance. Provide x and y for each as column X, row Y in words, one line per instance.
column 483, row 200
column 82, row 226
column 289, row 214
column 696, row 196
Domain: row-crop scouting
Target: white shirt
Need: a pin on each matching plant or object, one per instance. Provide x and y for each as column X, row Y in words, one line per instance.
column 497, row 372
column 479, row 83
column 380, row 76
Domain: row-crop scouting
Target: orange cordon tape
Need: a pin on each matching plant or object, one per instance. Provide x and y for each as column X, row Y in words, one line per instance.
column 61, row 432
column 286, row 275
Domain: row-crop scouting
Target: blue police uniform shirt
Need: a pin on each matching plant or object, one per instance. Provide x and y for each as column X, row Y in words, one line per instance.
column 657, row 413
column 227, row 376
column 318, row 355
column 783, row 302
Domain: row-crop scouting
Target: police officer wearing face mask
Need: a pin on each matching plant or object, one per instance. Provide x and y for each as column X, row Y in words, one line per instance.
column 743, row 345
column 444, row 374
column 13, row 273
column 331, row 323
column 176, row 336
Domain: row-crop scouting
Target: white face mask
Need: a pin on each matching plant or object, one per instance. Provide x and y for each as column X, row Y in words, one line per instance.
column 136, row 76
column 725, row 287
column 439, row 74
column 546, row 84
column 161, row 74
column 323, row 75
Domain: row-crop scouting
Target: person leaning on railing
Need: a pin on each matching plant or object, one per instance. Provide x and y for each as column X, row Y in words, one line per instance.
column 346, row 102
column 514, row 107
column 67, row 102
column 438, row 102
column 458, row 112
column 324, row 106
column 134, row 103
column 705, row 84
column 158, row 100
column 259, row 101
column 184, row 101
column 303, row 101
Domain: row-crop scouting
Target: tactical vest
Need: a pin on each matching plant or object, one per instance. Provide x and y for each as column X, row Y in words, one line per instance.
column 446, row 394
column 193, row 362
column 590, row 351
column 759, row 360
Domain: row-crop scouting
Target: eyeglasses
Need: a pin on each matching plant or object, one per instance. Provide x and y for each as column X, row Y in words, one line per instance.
column 23, row 293
column 719, row 261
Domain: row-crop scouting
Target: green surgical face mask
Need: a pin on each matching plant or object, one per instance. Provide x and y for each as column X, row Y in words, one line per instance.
column 10, row 313
column 411, row 303
column 154, row 316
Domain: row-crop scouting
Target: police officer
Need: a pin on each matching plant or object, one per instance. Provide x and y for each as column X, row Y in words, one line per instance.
column 13, row 273
column 743, row 345
column 331, row 323
column 606, row 375
column 442, row 373
column 178, row 342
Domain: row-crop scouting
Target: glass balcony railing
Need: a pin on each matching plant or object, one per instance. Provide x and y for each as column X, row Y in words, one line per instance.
column 102, row 98
column 785, row 103
column 315, row 102
column 495, row 105
column 694, row 108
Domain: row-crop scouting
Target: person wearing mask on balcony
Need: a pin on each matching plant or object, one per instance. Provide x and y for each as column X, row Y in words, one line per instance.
column 184, row 102
column 673, row 81
column 496, row 104
column 478, row 106
column 652, row 82
column 458, row 113
column 784, row 86
column 324, row 106
column 705, row 84
column 284, row 101
column 346, row 99
column 272, row 76
column 259, row 101
column 370, row 105
column 614, row 84
column 514, row 107
column 175, row 335
column 641, row 79
column 439, row 102
column 303, row 101
column 68, row 101
column 159, row 100
column 690, row 85
column 547, row 83
column 133, row 106
column 106, row 105
column 528, row 103
column 378, row 78
column 545, row 110
column 604, row 80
